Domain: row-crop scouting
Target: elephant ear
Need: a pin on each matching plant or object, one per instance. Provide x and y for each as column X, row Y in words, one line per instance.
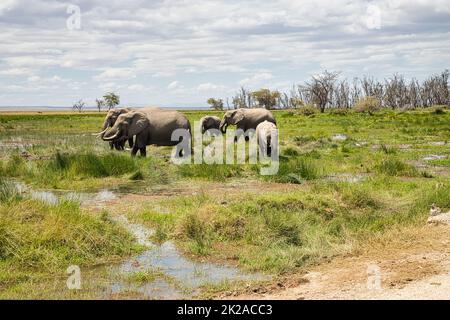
column 238, row 116
column 139, row 123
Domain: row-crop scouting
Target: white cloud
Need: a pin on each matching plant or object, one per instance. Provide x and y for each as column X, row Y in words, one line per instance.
column 220, row 44
column 115, row 74
column 174, row 85
column 208, row 87
column 16, row 72
column 256, row 80
column 136, row 87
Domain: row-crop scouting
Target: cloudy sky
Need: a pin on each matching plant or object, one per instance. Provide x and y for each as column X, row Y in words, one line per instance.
column 178, row 53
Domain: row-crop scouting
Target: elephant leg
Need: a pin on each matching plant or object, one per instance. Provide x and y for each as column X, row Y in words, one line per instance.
column 143, row 151
column 130, row 142
column 111, row 145
column 134, row 150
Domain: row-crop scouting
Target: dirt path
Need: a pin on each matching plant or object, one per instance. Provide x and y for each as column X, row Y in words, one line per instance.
column 414, row 264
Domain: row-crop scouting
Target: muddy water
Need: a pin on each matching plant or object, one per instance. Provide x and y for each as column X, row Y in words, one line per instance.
column 180, row 277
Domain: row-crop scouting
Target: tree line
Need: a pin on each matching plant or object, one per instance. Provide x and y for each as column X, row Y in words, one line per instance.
column 327, row 90
column 110, row 100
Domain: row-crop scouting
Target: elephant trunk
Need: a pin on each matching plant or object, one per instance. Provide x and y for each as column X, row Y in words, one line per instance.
column 223, row 126
column 105, row 126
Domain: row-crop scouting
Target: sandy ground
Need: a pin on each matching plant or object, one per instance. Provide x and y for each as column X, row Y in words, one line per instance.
column 414, row 265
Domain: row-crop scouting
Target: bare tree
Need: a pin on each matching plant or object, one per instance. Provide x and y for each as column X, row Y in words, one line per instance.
column 79, row 106
column 100, row 103
column 320, row 88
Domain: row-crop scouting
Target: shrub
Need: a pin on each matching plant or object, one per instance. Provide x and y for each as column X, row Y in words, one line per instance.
column 339, row 111
column 307, row 110
column 438, row 110
column 368, row 104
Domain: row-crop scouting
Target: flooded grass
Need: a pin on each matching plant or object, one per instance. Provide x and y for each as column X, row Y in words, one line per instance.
column 360, row 176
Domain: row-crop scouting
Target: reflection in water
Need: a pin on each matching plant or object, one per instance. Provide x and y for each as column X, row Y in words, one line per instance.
column 166, row 259
column 181, row 276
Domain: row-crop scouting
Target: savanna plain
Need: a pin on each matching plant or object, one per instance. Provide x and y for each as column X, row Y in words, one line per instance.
column 352, row 190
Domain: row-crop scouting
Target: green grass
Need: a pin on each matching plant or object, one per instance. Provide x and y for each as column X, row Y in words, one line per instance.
column 39, row 241
column 396, row 167
column 262, row 230
column 279, row 232
column 215, row 172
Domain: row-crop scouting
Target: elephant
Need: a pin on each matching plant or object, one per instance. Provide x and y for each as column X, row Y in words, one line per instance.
column 264, row 132
column 209, row 122
column 150, row 126
column 246, row 119
column 110, row 120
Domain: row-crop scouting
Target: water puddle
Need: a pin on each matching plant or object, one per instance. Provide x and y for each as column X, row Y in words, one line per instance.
column 434, row 157
column 165, row 258
column 439, row 143
column 15, row 145
column 339, row 137
column 348, row 177
column 176, row 276
column 53, row 197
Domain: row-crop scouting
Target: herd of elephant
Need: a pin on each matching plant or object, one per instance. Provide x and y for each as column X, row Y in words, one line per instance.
column 154, row 126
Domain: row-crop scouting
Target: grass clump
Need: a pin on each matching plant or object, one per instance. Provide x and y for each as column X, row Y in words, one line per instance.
column 396, row 167
column 34, row 235
column 8, row 191
column 92, row 165
column 295, row 170
column 215, row 172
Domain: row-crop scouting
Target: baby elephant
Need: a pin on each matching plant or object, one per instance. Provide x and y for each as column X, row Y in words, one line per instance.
column 209, row 122
column 264, row 132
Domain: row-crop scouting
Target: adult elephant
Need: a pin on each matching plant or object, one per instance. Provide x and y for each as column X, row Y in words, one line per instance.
column 246, row 118
column 209, row 122
column 153, row 126
column 109, row 122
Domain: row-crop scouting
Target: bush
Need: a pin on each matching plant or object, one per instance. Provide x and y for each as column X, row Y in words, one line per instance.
column 438, row 110
column 307, row 110
column 339, row 111
column 368, row 104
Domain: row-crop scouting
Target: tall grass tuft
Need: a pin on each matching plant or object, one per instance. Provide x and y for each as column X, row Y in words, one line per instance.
column 396, row 167
column 295, row 170
column 36, row 235
column 8, row 191
column 214, row 172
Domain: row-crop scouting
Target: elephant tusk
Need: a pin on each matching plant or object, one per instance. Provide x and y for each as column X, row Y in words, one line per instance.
column 111, row 138
column 100, row 133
